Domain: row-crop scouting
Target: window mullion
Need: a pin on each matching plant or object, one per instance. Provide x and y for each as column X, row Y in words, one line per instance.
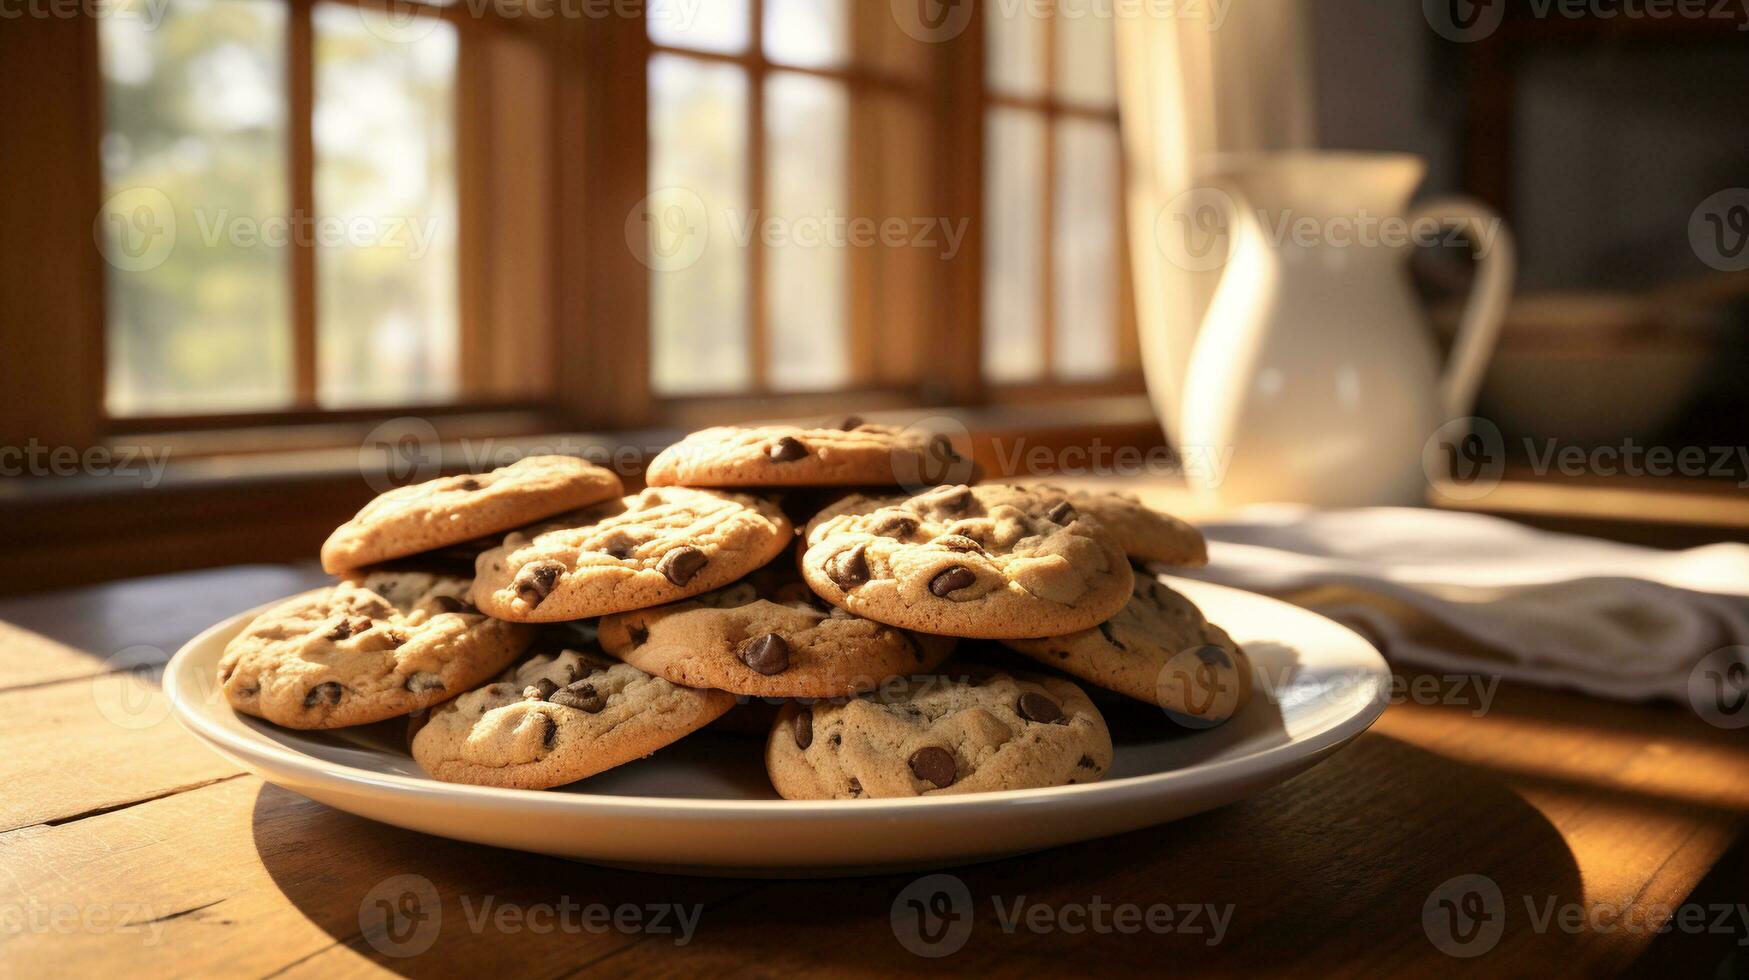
column 301, row 98
column 758, row 308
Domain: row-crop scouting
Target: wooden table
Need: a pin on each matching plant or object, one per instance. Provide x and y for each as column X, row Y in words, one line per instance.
column 126, row 847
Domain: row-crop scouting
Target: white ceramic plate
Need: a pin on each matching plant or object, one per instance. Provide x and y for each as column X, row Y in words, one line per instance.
column 703, row 805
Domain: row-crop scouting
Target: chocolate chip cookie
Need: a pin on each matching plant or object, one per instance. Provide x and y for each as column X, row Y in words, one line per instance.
column 988, row 561
column 933, row 735
column 849, row 453
column 375, row 646
column 1157, row 649
column 1145, row 533
column 659, row 546
column 454, row 509
column 768, row 635
column 557, row 718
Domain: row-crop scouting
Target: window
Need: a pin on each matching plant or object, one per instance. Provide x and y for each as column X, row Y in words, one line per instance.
column 282, row 208
column 750, row 115
column 323, row 208
column 1056, row 304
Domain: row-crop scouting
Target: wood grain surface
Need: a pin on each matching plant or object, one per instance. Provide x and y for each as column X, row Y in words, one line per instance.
column 127, row 846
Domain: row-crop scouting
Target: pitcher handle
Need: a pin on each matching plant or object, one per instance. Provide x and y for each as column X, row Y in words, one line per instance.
column 1485, row 310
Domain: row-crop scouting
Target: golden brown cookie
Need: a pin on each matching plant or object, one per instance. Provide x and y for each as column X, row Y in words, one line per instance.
column 451, row 510
column 989, row 561
column 659, row 546
column 557, row 718
column 1146, row 534
column 768, row 635
column 851, row 453
column 376, row 646
column 1157, row 649
column 935, row 735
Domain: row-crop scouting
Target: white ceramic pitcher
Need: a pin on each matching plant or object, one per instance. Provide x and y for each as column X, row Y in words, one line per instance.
column 1314, row 376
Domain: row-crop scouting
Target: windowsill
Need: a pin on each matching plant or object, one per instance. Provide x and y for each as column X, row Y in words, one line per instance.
column 302, row 454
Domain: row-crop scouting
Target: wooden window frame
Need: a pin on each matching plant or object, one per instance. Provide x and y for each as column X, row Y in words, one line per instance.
column 595, row 291
column 1049, row 110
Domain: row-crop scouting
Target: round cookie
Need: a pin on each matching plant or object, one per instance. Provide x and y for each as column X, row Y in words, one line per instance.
column 454, row 509
column 853, row 453
column 558, row 717
column 377, row 645
column 988, row 561
column 933, row 735
column 768, row 636
column 1145, row 533
column 659, row 546
column 1157, row 649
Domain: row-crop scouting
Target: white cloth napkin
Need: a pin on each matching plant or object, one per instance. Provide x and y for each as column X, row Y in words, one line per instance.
column 1470, row 593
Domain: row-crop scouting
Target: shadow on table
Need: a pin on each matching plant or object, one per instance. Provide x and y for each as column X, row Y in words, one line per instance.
column 1382, row 857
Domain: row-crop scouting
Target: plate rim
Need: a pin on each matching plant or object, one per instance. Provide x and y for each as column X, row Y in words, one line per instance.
column 249, row 749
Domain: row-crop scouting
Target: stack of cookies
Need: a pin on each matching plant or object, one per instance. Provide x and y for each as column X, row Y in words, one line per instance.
column 538, row 626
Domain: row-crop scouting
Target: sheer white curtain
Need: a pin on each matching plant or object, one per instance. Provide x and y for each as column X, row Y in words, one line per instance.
column 1204, row 80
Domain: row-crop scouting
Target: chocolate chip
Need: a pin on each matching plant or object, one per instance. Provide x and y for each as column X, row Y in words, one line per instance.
column 551, row 732
column 850, row 422
column 836, row 740
column 1034, row 706
column 348, row 627
column 327, row 691
column 639, row 634
column 540, row 690
column 899, row 526
column 1110, row 636
column 580, row 695
column 422, row 682
column 1061, row 513
column 848, row 568
column 958, row 542
column 535, row 582
column 787, row 450
column 1086, row 762
column 681, row 564
column 933, row 764
column 855, row 786
column 450, row 604
column 467, row 483
column 952, row 580
column 804, row 728
column 767, row 654
column 1213, row 655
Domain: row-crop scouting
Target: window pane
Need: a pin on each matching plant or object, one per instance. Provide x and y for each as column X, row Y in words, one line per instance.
column 704, row 25
column 1084, row 249
column 1085, row 50
column 1014, row 37
column 811, row 33
column 805, row 124
column 386, row 262
column 696, row 223
column 1013, row 268
column 194, row 153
